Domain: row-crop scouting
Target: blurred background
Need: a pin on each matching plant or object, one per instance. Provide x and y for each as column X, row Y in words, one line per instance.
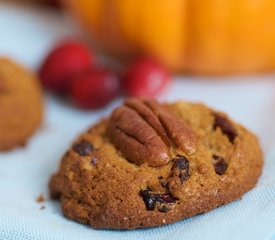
column 198, row 37
column 206, row 37
column 206, row 43
column 218, row 52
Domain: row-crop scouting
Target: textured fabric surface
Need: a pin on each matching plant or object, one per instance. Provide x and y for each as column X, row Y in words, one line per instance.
column 24, row 172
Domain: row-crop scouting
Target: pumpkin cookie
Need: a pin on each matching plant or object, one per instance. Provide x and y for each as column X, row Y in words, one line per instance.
column 151, row 164
column 20, row 104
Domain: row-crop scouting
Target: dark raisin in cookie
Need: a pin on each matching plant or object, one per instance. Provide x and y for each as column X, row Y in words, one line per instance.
column 150, row 164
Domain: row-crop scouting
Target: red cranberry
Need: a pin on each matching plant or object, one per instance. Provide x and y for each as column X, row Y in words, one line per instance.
column 69, row 58
column 94, row 88
column 145, row 77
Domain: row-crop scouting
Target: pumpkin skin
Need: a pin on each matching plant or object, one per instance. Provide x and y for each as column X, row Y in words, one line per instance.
column 199, row 37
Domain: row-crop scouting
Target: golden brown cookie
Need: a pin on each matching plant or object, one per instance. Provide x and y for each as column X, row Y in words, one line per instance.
column 20, row 104
column 150, row 164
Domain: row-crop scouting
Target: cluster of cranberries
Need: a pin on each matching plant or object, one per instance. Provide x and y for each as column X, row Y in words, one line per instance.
column 71, row 69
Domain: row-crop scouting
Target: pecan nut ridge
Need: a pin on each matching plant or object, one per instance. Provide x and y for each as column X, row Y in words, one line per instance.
column 177, row 130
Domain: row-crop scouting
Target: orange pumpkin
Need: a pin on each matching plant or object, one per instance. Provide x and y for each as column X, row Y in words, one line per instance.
column 201, row 37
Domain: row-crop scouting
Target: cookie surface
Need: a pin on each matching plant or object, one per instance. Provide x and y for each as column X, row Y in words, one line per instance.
column 20, row 104
column 151, row 164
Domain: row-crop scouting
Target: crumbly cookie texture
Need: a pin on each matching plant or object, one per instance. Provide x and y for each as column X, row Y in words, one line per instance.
column 151, row 164
column 21, row 105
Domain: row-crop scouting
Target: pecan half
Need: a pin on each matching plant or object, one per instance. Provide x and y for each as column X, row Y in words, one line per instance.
column 179, row 133
column 144, row 131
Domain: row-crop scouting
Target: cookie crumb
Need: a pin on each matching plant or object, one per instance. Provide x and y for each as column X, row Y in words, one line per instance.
column 40, row 198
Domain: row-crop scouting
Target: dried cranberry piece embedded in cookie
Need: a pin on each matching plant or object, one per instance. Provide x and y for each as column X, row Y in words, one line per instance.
column 164, row 209
column 83, row 148
column 163, row 182
column 219, row 164
column 152, row 199
column 149, row 199
column 181, row 168
column 226, row 126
